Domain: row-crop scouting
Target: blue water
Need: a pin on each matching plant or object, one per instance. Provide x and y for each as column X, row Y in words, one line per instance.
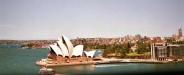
column 17, row 61
column 121, row 68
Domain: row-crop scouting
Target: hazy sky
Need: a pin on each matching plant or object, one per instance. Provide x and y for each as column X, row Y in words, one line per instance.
column 48, row 19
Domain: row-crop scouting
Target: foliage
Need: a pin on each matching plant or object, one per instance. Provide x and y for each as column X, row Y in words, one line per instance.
column 143, row 47
column 177, row 42
column 119, row 50
column 136, row 55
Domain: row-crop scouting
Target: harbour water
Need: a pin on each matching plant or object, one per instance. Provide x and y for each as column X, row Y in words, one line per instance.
column 15, row 60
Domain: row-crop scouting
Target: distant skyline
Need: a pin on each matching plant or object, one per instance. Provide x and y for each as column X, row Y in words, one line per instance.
column 48, row 19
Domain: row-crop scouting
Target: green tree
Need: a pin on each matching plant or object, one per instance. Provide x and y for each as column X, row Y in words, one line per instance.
column 142, row 47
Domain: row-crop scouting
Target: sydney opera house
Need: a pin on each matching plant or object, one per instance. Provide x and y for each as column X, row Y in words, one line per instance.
column 63, row 51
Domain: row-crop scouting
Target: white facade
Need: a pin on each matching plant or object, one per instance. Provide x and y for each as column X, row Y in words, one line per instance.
column 60, row 39
column 56, row 49
column 69, row 45
column 77, row 50
column 63, row 48
column 90, row 53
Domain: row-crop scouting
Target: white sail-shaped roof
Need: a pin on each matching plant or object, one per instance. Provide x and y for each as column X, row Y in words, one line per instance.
column 90, row 53
column 63, row 48
column 78, row 50
column 56, row 49
column 61, row 39
column 69, row 45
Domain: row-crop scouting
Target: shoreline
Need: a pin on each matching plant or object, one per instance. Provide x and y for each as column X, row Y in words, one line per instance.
column 107, row 61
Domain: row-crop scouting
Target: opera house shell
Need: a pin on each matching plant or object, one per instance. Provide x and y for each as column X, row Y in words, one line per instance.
column 64, row 51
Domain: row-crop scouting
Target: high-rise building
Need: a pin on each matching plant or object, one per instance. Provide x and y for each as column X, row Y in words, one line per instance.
column 180, row 32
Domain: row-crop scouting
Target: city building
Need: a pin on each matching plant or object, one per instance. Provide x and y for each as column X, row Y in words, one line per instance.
column 165, row 51
column 180, row 32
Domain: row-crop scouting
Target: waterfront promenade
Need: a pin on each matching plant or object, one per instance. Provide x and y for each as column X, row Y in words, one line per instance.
column 106, row 61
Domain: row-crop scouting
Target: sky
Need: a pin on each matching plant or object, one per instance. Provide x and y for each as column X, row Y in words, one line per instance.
column 49, row 19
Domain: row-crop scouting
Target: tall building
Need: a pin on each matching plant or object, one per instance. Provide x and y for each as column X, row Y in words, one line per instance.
column 180, row 32
column 164, row 51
